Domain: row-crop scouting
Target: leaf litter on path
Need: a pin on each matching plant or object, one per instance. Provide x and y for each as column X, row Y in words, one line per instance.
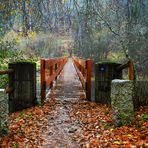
column 67, row 120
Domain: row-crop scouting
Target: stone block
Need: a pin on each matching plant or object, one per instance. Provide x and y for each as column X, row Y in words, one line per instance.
column 122, row 102
column 4, row 113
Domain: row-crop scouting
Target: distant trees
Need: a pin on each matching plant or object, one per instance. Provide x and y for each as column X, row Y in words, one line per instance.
column 107, row 26
column 7, row 15
column 35, row 15
column 99, row 27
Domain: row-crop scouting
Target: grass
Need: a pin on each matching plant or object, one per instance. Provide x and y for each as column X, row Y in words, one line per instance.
column 144, row 117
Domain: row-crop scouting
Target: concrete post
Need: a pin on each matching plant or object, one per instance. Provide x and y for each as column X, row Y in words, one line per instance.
column 122, row 102
column 4, row 113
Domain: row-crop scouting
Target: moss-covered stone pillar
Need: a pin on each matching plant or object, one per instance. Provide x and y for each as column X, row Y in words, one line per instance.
column 4, row 111
column 122, row 102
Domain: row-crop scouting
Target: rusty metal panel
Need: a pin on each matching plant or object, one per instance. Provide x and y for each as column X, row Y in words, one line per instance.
column 104, row 74
column 23, row 80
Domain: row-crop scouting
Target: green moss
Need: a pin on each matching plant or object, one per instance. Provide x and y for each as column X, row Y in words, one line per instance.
column 107, row 62
column 3, row 132
column 124, row 119
column 38, row 65
column 144, row 117
column 106, row 112
column 15, row 146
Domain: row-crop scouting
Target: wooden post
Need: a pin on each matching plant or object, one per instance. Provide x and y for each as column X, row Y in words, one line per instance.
column 3, row 72
column 56, row 67
column 51, row 73
column 88, row 81
column 43, row 80
column 130, row 70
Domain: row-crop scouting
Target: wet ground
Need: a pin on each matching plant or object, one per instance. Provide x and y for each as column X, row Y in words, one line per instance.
column 67, row 92
column 68, row 120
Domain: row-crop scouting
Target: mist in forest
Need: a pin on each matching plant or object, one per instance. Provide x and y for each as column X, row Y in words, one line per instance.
column 108, row 30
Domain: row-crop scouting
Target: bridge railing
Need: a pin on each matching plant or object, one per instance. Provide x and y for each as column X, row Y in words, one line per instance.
column 50, row 69
column 130, row 66
column 84, row 71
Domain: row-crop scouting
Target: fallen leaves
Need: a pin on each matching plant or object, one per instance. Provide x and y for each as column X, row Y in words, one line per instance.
column 26, row 127
column 97, row 129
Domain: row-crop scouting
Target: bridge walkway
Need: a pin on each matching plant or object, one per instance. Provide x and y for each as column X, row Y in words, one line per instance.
column 67, row 91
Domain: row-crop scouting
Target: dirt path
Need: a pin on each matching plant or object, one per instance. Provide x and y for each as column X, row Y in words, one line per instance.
column 67, row 92
column 66, row 120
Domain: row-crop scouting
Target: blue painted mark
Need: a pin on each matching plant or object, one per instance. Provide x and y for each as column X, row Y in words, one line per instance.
column 102, row 68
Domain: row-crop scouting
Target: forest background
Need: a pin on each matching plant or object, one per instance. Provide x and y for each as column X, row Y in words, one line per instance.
column 108, row 30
